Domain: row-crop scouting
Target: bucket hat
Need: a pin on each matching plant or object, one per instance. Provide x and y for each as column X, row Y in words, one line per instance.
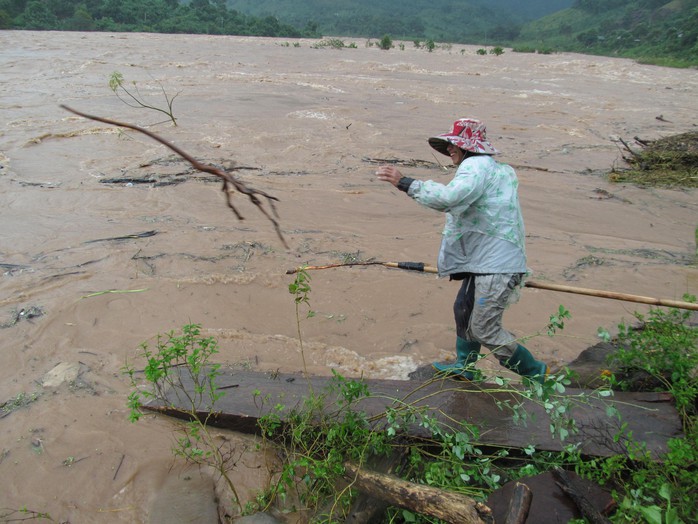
column 467, row 133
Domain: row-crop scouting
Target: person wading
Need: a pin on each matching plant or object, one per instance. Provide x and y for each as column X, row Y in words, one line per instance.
column 482, row 246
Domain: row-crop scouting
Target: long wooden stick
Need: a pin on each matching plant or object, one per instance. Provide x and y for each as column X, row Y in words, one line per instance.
column 418, row 266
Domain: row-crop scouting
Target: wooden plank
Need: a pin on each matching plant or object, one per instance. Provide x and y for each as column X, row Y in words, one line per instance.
column 250, row 395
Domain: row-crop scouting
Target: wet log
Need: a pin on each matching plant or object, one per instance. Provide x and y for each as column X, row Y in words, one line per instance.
column 426, row 500
column 367, row 509
column 519, row 505
column 652, row 421
column 568, row 485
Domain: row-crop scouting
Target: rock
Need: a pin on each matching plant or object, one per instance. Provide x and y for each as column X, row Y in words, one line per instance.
column 63, row 373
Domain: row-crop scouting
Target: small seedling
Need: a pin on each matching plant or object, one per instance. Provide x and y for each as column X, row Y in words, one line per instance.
column 133, row 98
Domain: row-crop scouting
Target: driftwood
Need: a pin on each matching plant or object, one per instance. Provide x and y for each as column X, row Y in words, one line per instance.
column 426, row 500
column 569, row 486
column 651, row 421
column 144, row 234
column 230, row 183
column 549, row 503
column 367, row 508
column 519, row 505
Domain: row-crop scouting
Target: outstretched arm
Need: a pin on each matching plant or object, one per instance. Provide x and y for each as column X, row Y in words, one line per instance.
column 393, row 175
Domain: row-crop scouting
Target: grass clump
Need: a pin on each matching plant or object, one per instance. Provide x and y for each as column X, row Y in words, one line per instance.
column 667, row 162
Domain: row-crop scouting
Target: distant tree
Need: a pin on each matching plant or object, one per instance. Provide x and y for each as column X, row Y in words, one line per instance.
column 588, row 38
column 385, row 43
column 5, row 20
column 80, row 21
column 37, row 15
column 13, row 8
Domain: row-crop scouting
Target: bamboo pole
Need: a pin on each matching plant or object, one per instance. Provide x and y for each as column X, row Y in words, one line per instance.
column 600, row 293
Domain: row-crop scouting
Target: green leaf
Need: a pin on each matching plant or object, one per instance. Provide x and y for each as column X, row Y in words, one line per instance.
column 653, row 514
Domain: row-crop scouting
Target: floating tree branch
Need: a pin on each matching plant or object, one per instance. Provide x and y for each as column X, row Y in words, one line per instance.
column 230, row 183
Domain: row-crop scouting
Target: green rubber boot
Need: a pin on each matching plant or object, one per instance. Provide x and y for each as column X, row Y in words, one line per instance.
column 467, row 352
column 523, row 363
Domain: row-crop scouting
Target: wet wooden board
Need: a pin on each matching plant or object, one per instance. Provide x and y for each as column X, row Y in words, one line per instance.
column 650, row 417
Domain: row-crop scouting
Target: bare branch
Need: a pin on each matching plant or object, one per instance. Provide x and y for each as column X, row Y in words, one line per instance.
column 230, row 183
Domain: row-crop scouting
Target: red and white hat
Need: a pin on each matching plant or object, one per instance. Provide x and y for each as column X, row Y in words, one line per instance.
column 467, row 133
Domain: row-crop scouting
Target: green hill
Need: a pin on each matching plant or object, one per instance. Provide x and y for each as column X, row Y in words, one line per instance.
column 652, row 31
column 456, row 21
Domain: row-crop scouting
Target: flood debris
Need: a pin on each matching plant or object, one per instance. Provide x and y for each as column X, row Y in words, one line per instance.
column 142, row 234
column 230, row 186
column 11, row 269
column 19, row 401
column 153, row 180
column 570, row 273
column 401, row 162
column 27, row 313
column 670, row 162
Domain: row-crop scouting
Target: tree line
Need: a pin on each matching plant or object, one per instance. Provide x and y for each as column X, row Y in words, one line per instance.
column 150, row 16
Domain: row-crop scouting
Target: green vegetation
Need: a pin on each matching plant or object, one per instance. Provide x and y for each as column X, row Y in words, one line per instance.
column 19, row 401
column 181, row 365
column 470, row 21
column 23, row 514
column 154, row 16
column 664, row 349
column 650, row 31
column 135, row 99
column 314, row 439
column 385, row 43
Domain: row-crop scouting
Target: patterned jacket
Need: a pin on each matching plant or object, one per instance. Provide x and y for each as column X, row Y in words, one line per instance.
column 484, row 231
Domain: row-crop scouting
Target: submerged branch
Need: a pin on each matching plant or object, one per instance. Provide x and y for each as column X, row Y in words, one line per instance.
column 229, row 182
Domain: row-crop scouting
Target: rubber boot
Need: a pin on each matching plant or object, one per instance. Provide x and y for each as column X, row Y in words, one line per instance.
column 467, row 352
column 523, row 363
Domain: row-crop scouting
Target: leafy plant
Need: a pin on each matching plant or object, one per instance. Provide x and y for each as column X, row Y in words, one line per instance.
column 656, row 490
column 133, row 98
column 665, row 347
column 179, row 371
column 497, row 51
column 20, row 400
column 333, row 43
column 23, row 514
column 300, row 289
column 385, row 43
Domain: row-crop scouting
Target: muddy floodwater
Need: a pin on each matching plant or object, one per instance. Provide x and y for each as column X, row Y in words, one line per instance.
column 308, row 126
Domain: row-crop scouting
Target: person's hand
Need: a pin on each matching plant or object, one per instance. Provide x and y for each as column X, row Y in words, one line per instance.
column 389, row 174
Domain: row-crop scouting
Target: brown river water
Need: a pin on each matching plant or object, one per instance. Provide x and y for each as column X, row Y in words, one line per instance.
column 305, row 125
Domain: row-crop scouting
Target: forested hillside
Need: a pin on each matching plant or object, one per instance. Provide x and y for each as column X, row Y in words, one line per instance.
column 156, row 16
column 654, row 31
column 462, row 21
